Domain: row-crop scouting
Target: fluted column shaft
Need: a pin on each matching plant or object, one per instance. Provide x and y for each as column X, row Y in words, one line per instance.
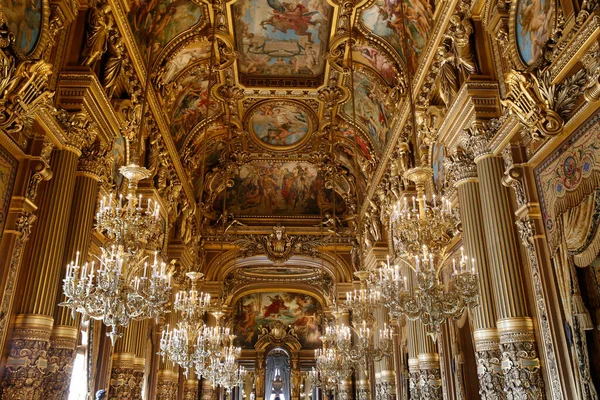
column 520, row 363
column 487, row 351
column 168, row 373
column 31, row 334
column 385, row 377
column 346, row 392
column 413, row 360
column 63, row 340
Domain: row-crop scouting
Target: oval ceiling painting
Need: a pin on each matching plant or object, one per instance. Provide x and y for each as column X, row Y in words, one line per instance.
column 533, row 27
column 24, row 20
column 280, row 124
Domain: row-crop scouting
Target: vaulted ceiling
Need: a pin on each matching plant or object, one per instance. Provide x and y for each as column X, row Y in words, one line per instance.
column 290, row 128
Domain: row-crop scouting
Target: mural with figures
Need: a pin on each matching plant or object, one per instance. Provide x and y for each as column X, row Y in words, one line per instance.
column 534, row 24
column 159, row 21
column 189, row 55
column 384, row 19
column 282, row 38
column 279, row 188
column 371, row 111
column 280, row 124
column 299, row 311
column 8, row 171
column 190, row 105
column 24, row 20
column 374, row 58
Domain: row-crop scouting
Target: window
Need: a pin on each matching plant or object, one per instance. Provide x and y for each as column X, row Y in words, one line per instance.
column 78, row 387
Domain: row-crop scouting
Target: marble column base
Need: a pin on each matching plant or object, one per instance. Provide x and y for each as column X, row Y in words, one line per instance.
column 190, row 390
column 122, row 378
column 363, row 390
column 520, row 363
column 430, row 381
column 489, row 370
column 28, row 358
column 61, row 355
column 167, row 385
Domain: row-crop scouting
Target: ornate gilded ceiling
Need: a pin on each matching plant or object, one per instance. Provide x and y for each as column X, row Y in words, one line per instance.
column 269, row 117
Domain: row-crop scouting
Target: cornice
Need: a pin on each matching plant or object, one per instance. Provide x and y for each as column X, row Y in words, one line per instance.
column 475, row 100
column 575, row 48
column 81, row 89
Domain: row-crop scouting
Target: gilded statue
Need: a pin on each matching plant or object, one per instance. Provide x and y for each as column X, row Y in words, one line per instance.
column 99, row 22
column 448, row 77
column 114, row 62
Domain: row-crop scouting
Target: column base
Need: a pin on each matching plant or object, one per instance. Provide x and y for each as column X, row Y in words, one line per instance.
column 520, row 362
column 345, row 391
column 430, row 381
column 167, row 385
column 28, row 357
column 363, row 390
column 61, row 354
column 385, row 388
column 209, row 393
column 489, row 371
column 139, row 367
column 414, row 376
column 122, row 379
column 190, row 390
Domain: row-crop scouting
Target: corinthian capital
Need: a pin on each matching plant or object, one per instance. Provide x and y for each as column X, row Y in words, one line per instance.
column 461, row 166
column 475, row 139
column 80, row 131
column 96, row 161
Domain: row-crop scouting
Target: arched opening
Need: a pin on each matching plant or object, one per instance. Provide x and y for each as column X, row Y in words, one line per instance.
column 277, row 375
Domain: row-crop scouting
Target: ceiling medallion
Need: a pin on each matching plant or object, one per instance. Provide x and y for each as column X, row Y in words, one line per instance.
column 280, row 125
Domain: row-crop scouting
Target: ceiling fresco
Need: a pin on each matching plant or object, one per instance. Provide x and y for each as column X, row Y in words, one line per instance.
column 287, row 125
column 159, row 21
column 383, row 18
column 280, row 125
column 276, row 38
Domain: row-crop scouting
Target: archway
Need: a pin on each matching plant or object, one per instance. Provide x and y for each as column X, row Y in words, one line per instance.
column 278, row 375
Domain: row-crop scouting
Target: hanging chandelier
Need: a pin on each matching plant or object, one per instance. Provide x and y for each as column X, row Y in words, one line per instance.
column 184, row 345
column 423, row 230
column 224, row 370
column 123, row 287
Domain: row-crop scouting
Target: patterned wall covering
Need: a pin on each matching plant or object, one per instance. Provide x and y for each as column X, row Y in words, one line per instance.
column 568, row 176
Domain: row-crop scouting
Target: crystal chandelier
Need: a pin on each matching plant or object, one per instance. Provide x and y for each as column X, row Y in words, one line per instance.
column 423, row 233
column 184, row 344
column 223, row 369
column 123, row 287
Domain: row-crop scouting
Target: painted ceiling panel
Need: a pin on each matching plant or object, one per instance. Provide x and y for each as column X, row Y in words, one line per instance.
column 281, row 39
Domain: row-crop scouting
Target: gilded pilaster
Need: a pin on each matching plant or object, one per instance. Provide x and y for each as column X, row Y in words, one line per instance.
column 78, row 240
column 42, row 278
column 487, row 351
column 519, row 360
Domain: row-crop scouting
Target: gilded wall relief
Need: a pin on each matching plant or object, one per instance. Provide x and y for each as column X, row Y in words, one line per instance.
column 298, row 311
column 370, row 108
column 531, row 26
column 119, row 158
column 272, row 188
column 280, row 125
column 190, row 105
column 281, row 39
column 384, row 19
column 346, row 155
column 160, row 21
column 8, row 171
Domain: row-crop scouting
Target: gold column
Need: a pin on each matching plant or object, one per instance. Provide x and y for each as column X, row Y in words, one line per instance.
column 63, row 339
column 139, row 365
column 385, row 377
column 28, row 358
column 487, row 350
column 363, row 386
column 168, row 372
column 430, row 380
column 520, row 362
